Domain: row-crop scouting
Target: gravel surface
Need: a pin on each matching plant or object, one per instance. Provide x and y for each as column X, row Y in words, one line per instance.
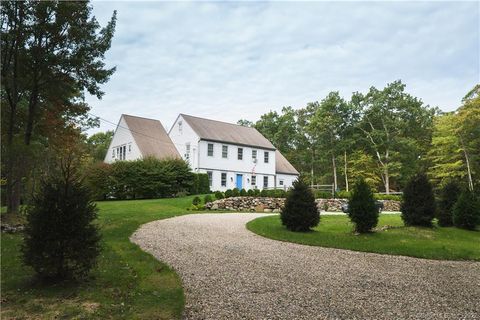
column 230, row 273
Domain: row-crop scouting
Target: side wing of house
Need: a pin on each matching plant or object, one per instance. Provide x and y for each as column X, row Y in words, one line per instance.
column 285, row 171
column 186, row 141
column 123, row 145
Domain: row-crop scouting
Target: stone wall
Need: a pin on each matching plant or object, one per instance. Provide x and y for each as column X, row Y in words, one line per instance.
column 266, row 204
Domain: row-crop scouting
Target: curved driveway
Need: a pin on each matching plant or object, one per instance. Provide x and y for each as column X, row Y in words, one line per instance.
column 230, row 273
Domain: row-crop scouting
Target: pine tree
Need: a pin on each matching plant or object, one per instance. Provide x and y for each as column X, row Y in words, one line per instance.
column 61, row 241
column 466, row 212
column 361, row 207
column 300, row 212
column 448, row 197
column 418, row 206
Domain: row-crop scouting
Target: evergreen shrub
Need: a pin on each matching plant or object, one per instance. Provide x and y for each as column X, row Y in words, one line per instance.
column 418, row 206
column 300, row 212
column 208, row 198
column 362, row 209
column 228, row 193
column 219, row 195
column 448, row 197
column 196, row 201
column 466, row 211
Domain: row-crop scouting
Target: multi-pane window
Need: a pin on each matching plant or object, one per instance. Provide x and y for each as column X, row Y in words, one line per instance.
column 265, row 156
column 187, row 151
column 225, row 152
column 240, row 153
column 254, row 180
column 210, row 150
column 254, row 154
column 113, row 153
column 124, row 152
column 224, row 179
column 180, row 126
column 129, row 148
column 281, row 182
column 265, row 181
column 210, row 174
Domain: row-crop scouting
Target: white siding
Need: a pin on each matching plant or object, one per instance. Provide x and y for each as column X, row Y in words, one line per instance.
column 288, row 180
column 122, row 137
column 181, row 138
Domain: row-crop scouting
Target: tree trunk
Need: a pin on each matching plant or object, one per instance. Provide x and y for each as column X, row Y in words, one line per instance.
column 467, row 161
column 335, row 185
column 346, row 174
column 387, row 179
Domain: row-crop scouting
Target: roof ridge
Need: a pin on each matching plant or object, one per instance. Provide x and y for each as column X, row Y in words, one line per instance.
column 129, row 115
column 233, row 124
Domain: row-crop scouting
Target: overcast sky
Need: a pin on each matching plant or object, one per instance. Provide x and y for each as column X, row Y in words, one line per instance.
column 228, row 61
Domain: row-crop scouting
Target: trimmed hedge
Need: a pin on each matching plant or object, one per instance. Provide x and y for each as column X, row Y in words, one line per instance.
column 201, row 184
column 141, row 179
column 278, row 193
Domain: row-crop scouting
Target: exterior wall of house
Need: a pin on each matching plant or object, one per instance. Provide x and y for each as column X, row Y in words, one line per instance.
column 287, row 179
column 122, row 138
column 183, row 135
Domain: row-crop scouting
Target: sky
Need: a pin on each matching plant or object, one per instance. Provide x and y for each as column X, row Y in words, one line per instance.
column 238, row 60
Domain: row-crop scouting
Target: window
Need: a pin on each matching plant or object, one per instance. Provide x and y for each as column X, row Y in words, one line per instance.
column 254, row 155
column 187, row 151
column 180, row 126
column 118, row 153
column 224, row 179
column 124, row 151
column 265, row 181
column 240, row 153
column 129, row 148
column 210, row 150
column 281, row 182
column 113, row 153
column 265, row 156
column 225, row 152
column 254, row 180
column 210, row 174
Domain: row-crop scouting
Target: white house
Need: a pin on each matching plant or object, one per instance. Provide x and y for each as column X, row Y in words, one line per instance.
column 233, row 156
column 137, row 137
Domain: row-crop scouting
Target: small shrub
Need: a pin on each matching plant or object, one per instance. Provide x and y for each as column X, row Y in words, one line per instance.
column 300, row 212
column 250, row 193
column 235, row 192
column 264, row 193
column 61, row 241
column 362, row 209
column 322, row 194
column 448, row 197
column 466, row 212
column 196, row 201
column 219, row 195
column 229, row 193
column 381, row 196
column 243, row 193
column 256, row 192
column 418, row 206
column 342, row 194
column 207, row 199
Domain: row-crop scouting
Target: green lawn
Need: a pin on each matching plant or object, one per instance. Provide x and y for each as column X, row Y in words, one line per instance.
column 336, row 232
column 127, row 283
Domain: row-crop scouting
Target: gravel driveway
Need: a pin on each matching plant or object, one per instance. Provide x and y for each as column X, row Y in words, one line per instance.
column 230, row 273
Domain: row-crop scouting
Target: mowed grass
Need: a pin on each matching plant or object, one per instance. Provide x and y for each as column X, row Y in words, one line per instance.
column 336, row 232
column 127, row 283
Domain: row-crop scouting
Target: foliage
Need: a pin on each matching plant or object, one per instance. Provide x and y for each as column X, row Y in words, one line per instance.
column 362, row 209
column 145, row 178
column 342, row 194
column 201, row 184
column 300, row 212
column 196, row 201
column 336, row 232
column 52, row 54
column 362, row 165
column 264, row 193
column 61, row 241
column 219, row 195
column 250, row 193
column 466, row 211
column 208, row 198
column 98, row 144
column 256, row 192
column 228, row 193
column 418, row 206
column 448, row 197
column 243, row 193
column 235, row 192
column 382, row 196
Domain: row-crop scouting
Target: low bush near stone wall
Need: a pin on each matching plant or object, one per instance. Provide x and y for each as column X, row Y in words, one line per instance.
column 269, row 204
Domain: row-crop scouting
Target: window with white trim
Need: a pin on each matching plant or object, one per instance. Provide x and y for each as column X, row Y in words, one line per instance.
column 281, row 182
column 210, row 179
column 224, row 151
column 224, row 179
column 240, row 154
column 265, row 181
column 254, row 154
column 180, row 126
column 210, row 150
column 266, row 155
column 187, row 151
column 254, row 180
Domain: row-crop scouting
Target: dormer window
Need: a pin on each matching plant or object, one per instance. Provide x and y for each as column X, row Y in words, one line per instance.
column 180, row 126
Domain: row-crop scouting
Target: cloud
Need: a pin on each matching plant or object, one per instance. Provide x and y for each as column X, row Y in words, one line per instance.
column 239, row 60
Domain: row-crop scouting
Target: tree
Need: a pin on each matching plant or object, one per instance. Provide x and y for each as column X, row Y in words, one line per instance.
column 300, row 212
column 418, row 206
column 98, row 144
column 394, row 123
column 363, row 166
column 448, row 197
column 52, row 51
column 466, row 211
column 362, row 209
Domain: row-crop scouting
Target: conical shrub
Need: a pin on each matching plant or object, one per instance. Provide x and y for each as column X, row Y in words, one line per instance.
column 300, row 212
column 466, row 211
column 448, row 197
column 418, row 206
column 362, row 209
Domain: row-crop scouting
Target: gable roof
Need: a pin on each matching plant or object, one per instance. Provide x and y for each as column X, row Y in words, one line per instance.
column 219, row 131
column 151, row 137
column 282, row 165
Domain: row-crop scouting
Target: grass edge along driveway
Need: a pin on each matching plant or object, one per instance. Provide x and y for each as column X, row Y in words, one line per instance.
column 127, row 283
column 335, row 231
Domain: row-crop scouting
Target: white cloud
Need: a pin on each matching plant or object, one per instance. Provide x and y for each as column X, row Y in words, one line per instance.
column 239, row 60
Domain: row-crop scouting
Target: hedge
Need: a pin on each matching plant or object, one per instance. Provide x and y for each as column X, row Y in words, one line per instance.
column 140, row 179
column 200, row 185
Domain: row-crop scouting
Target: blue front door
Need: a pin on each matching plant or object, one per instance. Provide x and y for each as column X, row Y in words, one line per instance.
column 239, row 181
